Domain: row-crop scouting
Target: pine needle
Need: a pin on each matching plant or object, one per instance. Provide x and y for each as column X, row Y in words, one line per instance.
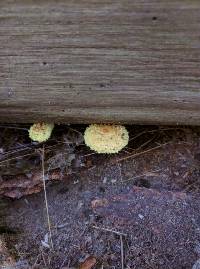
column 45, row 197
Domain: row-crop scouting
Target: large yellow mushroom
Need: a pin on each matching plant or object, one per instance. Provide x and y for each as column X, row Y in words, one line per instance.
column 104, row 138
column 41, row 132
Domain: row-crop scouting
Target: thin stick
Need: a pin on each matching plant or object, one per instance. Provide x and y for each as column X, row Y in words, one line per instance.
column 43, row 259
column 108, row 230
column 150, row 173
column 89, row 154
column 156, row 130
column 120, row 171
column 122, row 251
column 138, row 135
column 45, row 197
column 16, row 158
column 13, row 127
column 22, row 148
column 76, row 131
column 36, row 260
column 146, row 143
column 139, row 153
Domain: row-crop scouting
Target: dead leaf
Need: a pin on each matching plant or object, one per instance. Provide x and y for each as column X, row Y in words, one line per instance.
column 99, row 202
column 88, row 263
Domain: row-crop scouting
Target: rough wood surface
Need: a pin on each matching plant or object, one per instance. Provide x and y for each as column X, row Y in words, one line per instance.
column 134, row 61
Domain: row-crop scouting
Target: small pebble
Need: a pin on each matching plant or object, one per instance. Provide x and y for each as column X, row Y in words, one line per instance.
column 140, row 216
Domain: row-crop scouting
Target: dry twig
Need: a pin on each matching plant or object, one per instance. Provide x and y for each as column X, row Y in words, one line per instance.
column 122, row 251
column 108, row 230
column 46, row 201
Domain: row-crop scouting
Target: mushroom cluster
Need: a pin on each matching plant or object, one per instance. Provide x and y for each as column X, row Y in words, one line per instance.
column 41, row 132
column 106, row 138
column 102, row 138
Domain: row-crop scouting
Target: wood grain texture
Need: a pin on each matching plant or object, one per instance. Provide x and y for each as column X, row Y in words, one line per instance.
column 81, row 61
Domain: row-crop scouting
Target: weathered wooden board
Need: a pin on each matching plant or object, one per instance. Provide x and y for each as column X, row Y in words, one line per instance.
column 133, row 61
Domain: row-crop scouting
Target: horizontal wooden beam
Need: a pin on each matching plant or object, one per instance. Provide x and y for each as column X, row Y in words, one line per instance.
column 81, row 61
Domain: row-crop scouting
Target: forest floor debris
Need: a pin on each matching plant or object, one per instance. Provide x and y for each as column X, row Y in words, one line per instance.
column 136, row 209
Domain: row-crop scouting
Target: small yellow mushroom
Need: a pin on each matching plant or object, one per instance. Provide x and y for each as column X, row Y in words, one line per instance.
column 104, row 138
column 41, row 132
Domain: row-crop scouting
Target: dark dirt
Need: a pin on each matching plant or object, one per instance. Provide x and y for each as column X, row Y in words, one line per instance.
column 144, row 201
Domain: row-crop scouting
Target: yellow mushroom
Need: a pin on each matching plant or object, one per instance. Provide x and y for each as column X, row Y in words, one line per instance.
column 104, row 138
column 41, row 132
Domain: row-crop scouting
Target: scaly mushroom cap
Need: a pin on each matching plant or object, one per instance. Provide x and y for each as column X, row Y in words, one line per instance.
column 41, row 132
column 104, row 138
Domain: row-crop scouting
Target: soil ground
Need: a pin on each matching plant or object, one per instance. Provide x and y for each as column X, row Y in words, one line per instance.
column 136, row 209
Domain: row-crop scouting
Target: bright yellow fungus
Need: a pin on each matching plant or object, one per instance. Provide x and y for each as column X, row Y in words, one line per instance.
column 41, row 132
column 106, row 138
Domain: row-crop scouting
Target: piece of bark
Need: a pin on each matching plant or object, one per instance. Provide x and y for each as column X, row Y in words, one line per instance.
column 20, row 185
column 100, row 61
